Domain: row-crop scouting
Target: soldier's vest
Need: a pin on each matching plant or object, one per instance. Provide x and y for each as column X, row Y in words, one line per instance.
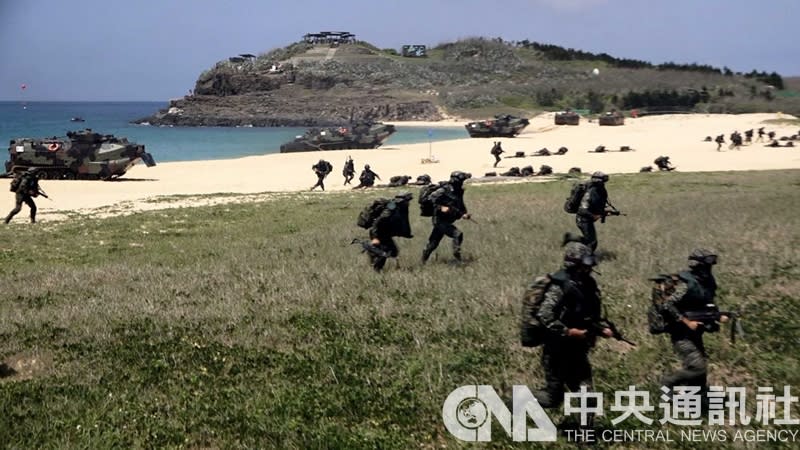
column 697, row 296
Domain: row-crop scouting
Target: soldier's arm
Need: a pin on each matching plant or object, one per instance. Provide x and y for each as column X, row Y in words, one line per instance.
column 670, row 307
column 550, row 310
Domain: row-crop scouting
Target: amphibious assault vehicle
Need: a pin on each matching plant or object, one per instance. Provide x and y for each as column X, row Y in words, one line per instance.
column 359, row 135
column 502, row 125
column 568, row 118
column 612, row 118
column 83, row 155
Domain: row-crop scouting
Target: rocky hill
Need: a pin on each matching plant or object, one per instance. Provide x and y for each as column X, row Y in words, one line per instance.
column 316, row 85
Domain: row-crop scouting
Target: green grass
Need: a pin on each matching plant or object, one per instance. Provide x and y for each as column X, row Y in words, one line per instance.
column 257, row 325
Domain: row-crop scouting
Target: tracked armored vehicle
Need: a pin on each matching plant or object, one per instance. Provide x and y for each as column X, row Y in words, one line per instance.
column 612, row 118
column 83, row 155
column 502, row 125
column 359, row 135
column 568, row 118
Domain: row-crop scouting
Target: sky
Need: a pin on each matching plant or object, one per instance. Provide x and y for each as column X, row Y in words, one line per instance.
column 154, row 50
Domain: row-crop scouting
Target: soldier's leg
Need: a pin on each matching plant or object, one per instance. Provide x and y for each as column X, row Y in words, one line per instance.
column 32, row 206
column 451, row 231
column 579, row 374
column 586, row 225
column 377, row 262
column 552, row 394
column 496, row 160
column 694, row 364
column 16, row 209
column 433, row 241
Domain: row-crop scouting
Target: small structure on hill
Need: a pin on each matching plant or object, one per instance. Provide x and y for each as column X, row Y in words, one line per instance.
column 330, row 37
column 414, row 51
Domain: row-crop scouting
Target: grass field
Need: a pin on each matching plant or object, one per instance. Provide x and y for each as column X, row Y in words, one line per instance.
column 257, row 325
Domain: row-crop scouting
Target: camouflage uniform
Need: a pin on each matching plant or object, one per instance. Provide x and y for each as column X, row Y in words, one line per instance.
column 697, row 288
column 27, row 189
column 384, row 229
column 367, row 178
column 496, row 151
column 719, row 140
column 592, row 206
column 322, row 169
column 349, row 171
column 571, row 301
column 451, row 195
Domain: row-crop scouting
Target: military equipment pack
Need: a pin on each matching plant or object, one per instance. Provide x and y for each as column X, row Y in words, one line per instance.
column 425, row 200
column 368, row 215
column 15, row 182
column 663, row 287
column 532, row 332
column 575, row 195
column 398, row 221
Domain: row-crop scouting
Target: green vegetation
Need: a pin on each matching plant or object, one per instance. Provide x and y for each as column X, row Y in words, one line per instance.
column 257, row 325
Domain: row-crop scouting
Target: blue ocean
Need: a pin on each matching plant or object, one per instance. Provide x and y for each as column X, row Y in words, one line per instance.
column 45, row 119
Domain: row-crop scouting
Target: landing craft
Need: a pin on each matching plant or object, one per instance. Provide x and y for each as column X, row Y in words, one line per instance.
column 503, row 125
column 611, row 118
column 359, row 135
column 568, row 118
column 83, row 155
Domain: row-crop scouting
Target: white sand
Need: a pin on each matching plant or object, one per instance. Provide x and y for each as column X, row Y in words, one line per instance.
column 678, row 136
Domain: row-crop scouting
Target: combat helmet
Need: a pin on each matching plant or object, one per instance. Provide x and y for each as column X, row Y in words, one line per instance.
column 577, row 253
column 702, row 257
column 599, row 177
column 459, row 176
column 366, row 166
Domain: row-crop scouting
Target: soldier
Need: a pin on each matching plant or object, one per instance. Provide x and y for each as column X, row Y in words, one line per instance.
column 448, row 204
column 663, row 163
column 322, row 169
column 393, row 221
column 349, row 171
column 592, row 208
column 771, row 135
column 748, row 136
column 399, row 180
column 367, row 178
column 542, row 152
column 562, row 151
column 571, row 311
column 760, row 135
column 736, row 140
column 719, row 140
column 695, row 290
column 27, row 188
column 545, row 170
column 496, row 151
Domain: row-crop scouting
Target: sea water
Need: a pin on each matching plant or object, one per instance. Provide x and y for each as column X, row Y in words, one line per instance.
column 46, row 119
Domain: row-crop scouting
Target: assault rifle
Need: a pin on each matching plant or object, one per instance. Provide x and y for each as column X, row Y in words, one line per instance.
column 611, row 211
column 366, row 246
column 615, row 333
column 39, row 191
column 712, row 317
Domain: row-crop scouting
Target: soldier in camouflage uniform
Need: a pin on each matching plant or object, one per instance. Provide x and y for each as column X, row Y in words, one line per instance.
column 27, row 189
column 448, row 203
column 496, row 151
column 349, row 170
column 696, row 289
column 321, row 169
column 571, row 310
column 367, row 178
column 592, row 208
column 384, row 229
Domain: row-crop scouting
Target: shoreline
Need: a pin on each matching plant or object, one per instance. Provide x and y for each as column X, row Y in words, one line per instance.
column 678, row 136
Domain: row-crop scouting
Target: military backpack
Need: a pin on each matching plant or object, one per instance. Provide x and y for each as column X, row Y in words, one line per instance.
column 573, row 202
column 426, row 206
column 15, row 183
column 663, row 287
column 532, row 332
column 399, row 224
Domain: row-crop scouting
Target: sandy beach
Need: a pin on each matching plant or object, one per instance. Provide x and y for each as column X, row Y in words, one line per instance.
column 678, row 136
